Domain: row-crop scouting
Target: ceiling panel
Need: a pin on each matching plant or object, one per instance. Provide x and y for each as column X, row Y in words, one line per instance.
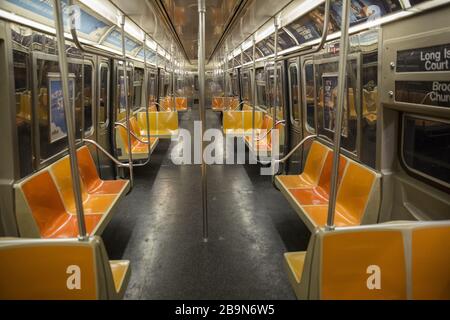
column 184, row 17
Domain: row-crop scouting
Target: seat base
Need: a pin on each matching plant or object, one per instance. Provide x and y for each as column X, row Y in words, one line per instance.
column 294, row 263
column 121, row 272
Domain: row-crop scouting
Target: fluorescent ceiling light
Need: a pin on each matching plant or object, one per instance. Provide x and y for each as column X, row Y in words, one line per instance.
column 104, row 8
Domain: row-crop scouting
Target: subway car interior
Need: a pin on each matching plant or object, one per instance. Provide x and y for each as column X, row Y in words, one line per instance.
column 225, row 150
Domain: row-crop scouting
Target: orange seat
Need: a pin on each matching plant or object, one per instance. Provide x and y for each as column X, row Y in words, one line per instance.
column 91, row 179
column 312, row 171
column 358, row 194
column 320, row 194
column 181, row 103
column 92, row 203
column 352, row 197
column 217, row 103
column 48, row 209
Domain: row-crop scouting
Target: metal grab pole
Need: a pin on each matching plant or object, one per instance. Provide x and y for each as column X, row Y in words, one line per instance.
column 69, row 120
column 127, row 106
column 275, row 71
column 201, row 78
column 254, row 92
column 173, row 76
column 338, row 126
column 145, row 83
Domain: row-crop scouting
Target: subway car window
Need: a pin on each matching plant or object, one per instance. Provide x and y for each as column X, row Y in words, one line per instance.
column 293, row 93
column 151, row 88
column 310, row 97
column 51, row 121
column 88, row 96
column 327, row 85
column 137, row 87
column 261, row 88
column 23, row 94
column 246, row 89
column 103, row 108
column 426, row 148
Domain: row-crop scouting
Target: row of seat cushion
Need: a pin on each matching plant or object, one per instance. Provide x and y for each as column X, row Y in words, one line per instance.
column 168, row 102
column 163, row 124
column 224, row 103
column 358, row 195
column 240, row 123
column 139, row 149
column 395, row 260
column 45, row 203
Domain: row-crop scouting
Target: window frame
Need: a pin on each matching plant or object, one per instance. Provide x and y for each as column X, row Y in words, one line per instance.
column 294, row 122
column 308, row 128
column 102, row 64
column 414, row 172
column 91, row 131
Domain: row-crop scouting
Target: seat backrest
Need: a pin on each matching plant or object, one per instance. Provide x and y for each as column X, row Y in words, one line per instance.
column 325, row 176
column 54, row 269
column 62, row 175
column 354, row 191
column 395, row 260
column 134, row 126
column 43, row 200
column 315, row 162
column 352, row 262
column 431, row 263
column 88, row 169
column 248, row 119
column 232, row 120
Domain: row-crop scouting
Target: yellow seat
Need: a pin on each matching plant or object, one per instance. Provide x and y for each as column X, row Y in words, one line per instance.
column 181, row 104
column 358, row 196
column 66, row 269
column 239, row 123
column 312, row 170
column 372, row 262
column 217, row 104
column 163, row 124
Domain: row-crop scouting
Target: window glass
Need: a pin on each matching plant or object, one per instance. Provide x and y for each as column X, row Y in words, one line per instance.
column 23, row 110
column 426, row 147
column 309, row 97
column 137, row 87
column 261, row 88
column 151, row 88
column 293, row 93
column 88, row 105
column 246, row 92
column 120, row 92
column 103, row 109
column 275, row 94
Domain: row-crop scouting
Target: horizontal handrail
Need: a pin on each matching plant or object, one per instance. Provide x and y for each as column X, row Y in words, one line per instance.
column 270, row 130
column 305, row 139
column 118, row 124
column 117, row 162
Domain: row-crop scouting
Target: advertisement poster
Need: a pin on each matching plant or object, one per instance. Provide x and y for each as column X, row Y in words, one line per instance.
column 365, row 10
column 58, row 128
column 330, row 87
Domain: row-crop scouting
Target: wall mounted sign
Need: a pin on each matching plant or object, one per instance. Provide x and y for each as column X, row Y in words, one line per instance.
column 57, row 119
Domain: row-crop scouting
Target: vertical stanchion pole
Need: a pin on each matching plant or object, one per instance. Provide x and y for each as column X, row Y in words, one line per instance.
column 173, row 75
column 127, row 105
column 146, row 94
column 254, row 93
column 275, row 72
column 69, row 117
column 201, row 78
column 343, row 47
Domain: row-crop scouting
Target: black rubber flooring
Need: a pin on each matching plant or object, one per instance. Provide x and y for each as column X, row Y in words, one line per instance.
column 158, row 227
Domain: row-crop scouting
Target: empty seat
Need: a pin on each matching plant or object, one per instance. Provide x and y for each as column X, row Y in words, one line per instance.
column 163, row 124
column 312, row 170
column 239, row 123
column 40, row 211
column 263, row 136
column 358, row 195
column 45, row 203
column 92, row 203
column 181, row 104
column 91, row 179
column 45, row 269
column 140, row 149
column 372, row 262
column 217, row 104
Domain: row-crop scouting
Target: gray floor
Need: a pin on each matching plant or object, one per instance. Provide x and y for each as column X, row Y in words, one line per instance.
column 158, row 227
